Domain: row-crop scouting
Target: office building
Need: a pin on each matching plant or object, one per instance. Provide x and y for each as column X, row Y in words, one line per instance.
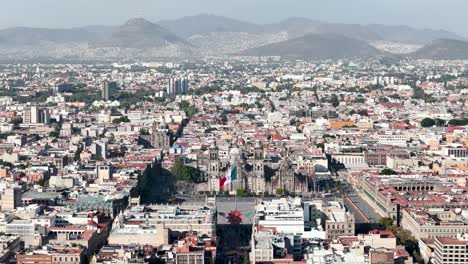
column 31, row 115
column 44, row 116
column 36, row 115
column 451, row 250
column 11, row 198
column 177, row 86
column 338, row 221
column 108, row 89
column 104, row 172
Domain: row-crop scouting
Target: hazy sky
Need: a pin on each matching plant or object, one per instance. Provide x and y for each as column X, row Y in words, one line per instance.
column 437, row 14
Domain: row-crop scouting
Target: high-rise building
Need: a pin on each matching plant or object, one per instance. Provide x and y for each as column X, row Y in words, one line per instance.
column 177, row 86
column 44, row 116
column 35, row 115
column 185, row 86
column 170, row 86
column 107, row 89
column 31, row 115
column 11, row 198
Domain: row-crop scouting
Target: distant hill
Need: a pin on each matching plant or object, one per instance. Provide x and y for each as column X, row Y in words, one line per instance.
column 205, row 24
column 139, row 33
column 22, row 36
column 316, row 47
column 297, row 27
column 405, row 34
column 211, row 35
column 443, row 49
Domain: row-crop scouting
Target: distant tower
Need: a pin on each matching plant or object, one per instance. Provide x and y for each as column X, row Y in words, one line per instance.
column 185, row 86
column 177, row 86
column 213, row 167
column 107, row 89
column 31, row 115
column 44, row 116
column 170, row 87
column 160, row 136
column 258, row 170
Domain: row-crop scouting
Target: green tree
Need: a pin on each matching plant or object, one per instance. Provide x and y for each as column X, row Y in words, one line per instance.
column 241, row 192
column 359, row 100
column 280, row 191
column 184, row 104
column 41, row 182
column 386, row 221
column 334, row 100
column 459, row 122
column 123, row 119
column 144, row 132
column 427, row 122
column 54, row 134
column 183, row 172
column 363, row 112
column 189, row 109
column 388, row 171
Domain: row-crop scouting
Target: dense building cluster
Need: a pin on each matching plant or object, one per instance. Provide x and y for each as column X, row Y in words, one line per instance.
column 229, row 160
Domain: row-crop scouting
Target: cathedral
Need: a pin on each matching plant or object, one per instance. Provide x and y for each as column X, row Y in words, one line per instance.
column 161, row 137
column 255, row 172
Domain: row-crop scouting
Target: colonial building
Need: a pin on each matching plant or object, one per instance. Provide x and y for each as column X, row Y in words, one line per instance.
column 251, row 171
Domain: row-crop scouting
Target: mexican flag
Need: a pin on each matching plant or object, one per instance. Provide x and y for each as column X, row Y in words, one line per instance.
column 230, row 176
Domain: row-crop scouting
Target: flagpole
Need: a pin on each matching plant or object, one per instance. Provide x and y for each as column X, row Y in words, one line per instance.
column 235, row 199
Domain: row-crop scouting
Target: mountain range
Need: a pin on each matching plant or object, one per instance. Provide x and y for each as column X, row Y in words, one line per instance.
column 317, row 47
column 215, row 35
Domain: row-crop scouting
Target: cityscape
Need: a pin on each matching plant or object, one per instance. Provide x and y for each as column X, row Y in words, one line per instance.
column 207, row 139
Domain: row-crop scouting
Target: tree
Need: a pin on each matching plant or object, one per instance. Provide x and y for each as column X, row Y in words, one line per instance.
column 144, row 132
column 459, row 122
column 388, row 171
column 183, row 172
column 41, row 182
column 189, row 110
column 54, row 134
column 184, row 104
column 363, row 112
column 16, row 122
column 123, row 119
column 359, row 100
column 386, row 221
column 427, row 122
column 251, row 116
column 280, row 191
column 6, row 164
column 241, row 192
column 321, row 145
column 334, row 100
column 383, row 99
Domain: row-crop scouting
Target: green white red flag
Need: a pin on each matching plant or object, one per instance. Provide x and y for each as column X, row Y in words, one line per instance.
column 230, row 176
